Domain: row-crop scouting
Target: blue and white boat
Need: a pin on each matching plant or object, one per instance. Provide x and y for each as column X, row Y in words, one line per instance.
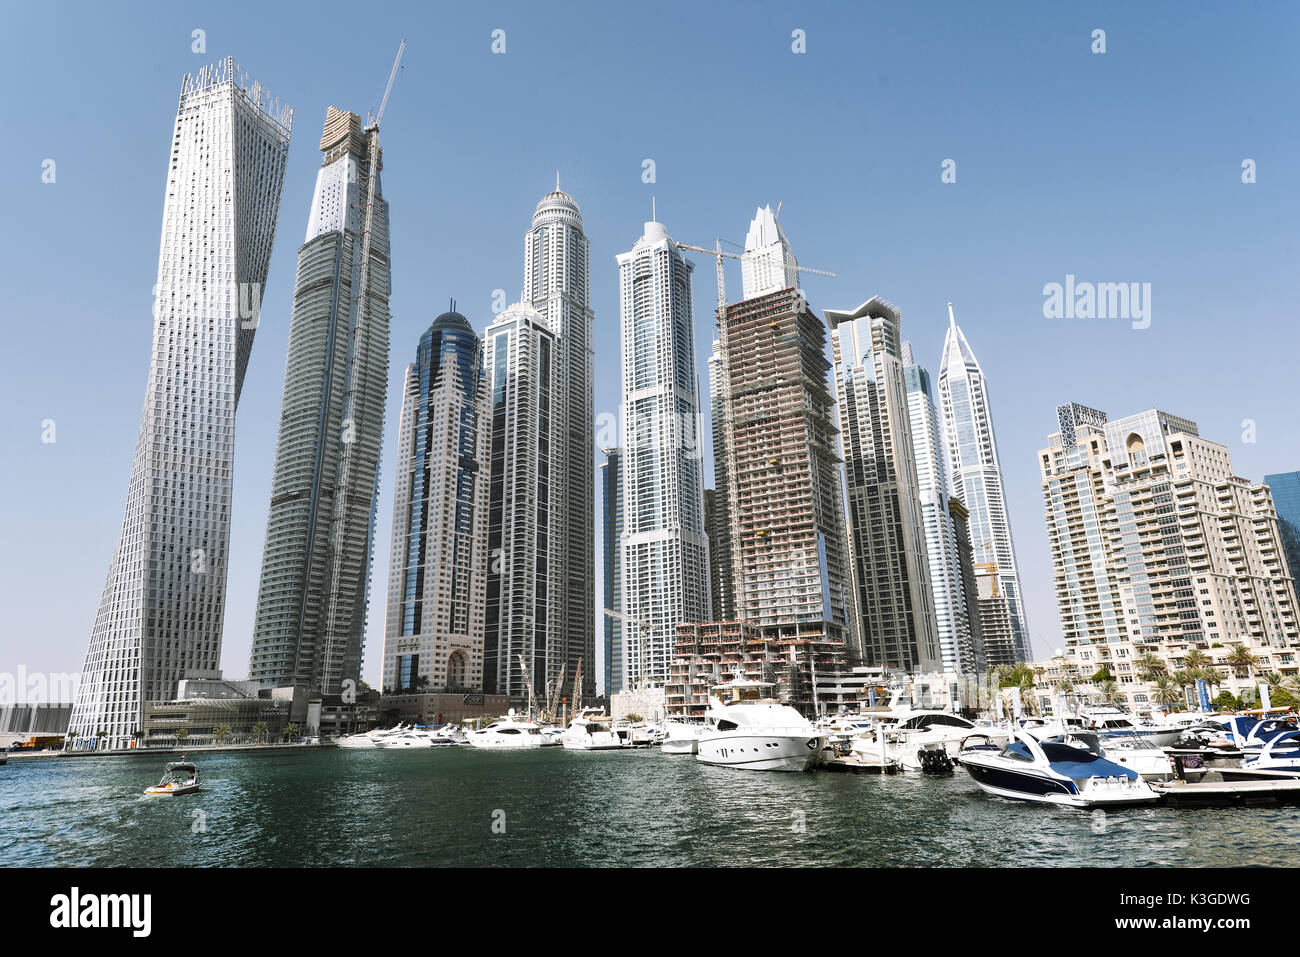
column 1279, row 758
column 1053, row 772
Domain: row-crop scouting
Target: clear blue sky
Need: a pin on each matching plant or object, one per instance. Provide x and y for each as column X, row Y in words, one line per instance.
column 1119, row 167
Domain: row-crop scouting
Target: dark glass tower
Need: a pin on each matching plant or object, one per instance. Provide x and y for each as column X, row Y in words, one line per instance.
column 438, row 565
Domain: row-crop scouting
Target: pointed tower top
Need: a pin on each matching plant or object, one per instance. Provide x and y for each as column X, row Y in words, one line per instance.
column 952, row 320
column 557, row 180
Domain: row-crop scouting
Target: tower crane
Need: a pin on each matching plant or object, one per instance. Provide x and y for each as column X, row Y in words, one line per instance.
column 642, row 625
column 727, row 425
column 374, row 119
column 528, row 680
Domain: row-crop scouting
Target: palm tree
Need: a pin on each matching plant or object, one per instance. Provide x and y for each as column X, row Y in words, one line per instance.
column 260, row 729
column 290, row 732
column 1110, row 693
column 1166, row 690
column 1241, row 657
column 181, row 735
column 1149, row 667
column 221, row 732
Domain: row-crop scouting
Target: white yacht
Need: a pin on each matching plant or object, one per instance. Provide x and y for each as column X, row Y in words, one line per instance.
column 1139, row 754
column 376, row 738
column 591, row 730
column 917, row 731
column 1113, row 722
column 746, row 728
column 510, row 732
column 681, row 737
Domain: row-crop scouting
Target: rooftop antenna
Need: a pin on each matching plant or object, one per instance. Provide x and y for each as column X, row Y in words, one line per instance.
column 652, row 209
column 557, row 180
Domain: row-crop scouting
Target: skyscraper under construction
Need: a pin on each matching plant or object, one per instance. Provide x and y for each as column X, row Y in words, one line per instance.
column 311, row 606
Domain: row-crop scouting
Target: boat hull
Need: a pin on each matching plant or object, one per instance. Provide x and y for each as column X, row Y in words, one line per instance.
column 1045, row 789
column 171, row 792
column 755, row 751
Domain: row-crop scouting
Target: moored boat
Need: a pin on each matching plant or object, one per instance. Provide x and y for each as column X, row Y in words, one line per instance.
column 1054, row 772
column 746, row 729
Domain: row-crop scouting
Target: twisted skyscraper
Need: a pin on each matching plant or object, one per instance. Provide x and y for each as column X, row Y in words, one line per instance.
column 161, row 613
column 311, row 606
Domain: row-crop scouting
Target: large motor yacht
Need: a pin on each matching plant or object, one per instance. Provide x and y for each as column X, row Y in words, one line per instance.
column 510, row 732
column 591, row 730
column 745, row 727
column 681, row 737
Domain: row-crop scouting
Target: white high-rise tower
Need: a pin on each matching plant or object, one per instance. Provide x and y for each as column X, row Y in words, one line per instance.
column 557, row 285
column 768, row 263
column 976, row 474
column 161, row 613
column 665, row 550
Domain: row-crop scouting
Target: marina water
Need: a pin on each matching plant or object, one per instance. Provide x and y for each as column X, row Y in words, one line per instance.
column 551, row 807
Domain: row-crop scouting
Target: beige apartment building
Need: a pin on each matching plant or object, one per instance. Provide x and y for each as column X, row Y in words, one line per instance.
column 1158, row 548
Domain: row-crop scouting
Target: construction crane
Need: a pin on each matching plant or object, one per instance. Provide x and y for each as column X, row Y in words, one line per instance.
column 528, row 680
column 728, row 430
column 373, row 120
column 642, row 625
column 553, row 696
column 577, row 688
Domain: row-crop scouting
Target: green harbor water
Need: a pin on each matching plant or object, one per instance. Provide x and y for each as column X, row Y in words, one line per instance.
column 551, row 807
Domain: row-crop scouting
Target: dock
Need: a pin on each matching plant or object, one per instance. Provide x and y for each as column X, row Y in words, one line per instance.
column 1212, row 790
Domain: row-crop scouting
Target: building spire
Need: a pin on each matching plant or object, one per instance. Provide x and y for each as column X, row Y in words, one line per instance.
column 653, row 217
column 952, row 320
column 557, row 180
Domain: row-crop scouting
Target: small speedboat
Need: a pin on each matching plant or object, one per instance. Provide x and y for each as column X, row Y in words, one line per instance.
column 1054, row 772
column 180, row 777
column 1278, row 759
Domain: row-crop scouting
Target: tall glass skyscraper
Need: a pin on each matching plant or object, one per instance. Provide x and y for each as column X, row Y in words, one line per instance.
column 953, row 608
column 895, row 602
column 1286, row 499
column 665, row 549
column 976, row 473
column 312, row 602
column 611, row 484
column 557, row 284
column 437, row 579
column 525, row 594
column 160, row 617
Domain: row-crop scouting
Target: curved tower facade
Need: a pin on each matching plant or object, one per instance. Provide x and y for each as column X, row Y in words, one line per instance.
column 160, row 617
